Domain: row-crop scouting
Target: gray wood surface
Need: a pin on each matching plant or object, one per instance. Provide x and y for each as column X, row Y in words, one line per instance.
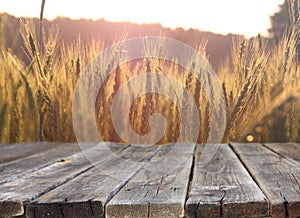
column 14, row 169
column 223, row 188
column 289, row 151
column 236, row 180
column 9, row 152
column 162, row 196
column 277, row 177
column 32, row 185
column 87, row 194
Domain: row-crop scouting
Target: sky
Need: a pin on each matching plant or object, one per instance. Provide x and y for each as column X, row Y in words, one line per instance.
column 246, row 17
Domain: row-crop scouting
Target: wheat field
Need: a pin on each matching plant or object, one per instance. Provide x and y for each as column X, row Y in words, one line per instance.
column 260, row 83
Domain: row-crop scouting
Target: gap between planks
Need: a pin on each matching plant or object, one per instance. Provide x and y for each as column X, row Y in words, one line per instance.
column 222, row 187
column 44, row 179
column 277, row 177
column 66, row 200
column 159, row 192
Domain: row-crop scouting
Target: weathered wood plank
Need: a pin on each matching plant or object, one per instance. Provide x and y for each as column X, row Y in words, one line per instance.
column 9, row 152
column 290, row 151
column 87, row 194
column 14, row 169
column 162, row 197
column 30, row 186
column 277, row 177
column 12, row 208
column 223, row 188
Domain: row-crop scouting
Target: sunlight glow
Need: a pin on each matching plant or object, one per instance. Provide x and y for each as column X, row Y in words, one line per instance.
column 248, row 17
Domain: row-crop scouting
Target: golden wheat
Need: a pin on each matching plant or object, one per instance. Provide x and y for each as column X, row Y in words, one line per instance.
column 260, row 83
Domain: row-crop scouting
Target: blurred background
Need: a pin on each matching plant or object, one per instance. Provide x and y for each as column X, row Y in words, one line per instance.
column 253, row 47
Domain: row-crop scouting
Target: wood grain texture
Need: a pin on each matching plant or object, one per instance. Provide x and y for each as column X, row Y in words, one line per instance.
column 162, row 196
column 290, row 151
column 30, row 186
column 9, row 152
column 277, row 177
column 87, row 194
column 14, row 169
column 240, row 180
column 11, row 208
column 223, row 188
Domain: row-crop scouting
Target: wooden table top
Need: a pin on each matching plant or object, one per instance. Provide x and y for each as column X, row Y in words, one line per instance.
column 115, row 180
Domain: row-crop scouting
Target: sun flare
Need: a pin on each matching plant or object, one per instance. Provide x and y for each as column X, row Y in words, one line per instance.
column 248, row 17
